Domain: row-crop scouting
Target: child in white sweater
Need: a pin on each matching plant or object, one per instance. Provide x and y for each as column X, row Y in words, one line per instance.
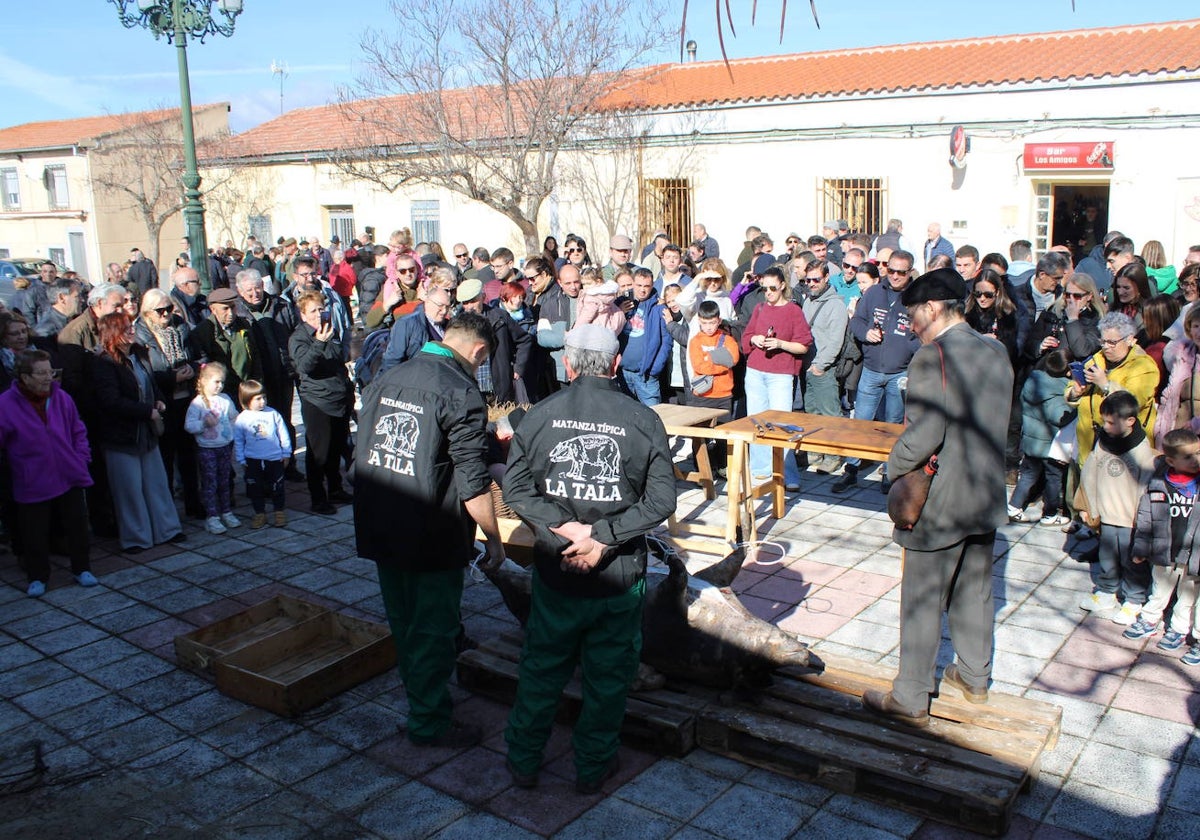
column 262, row 446
column 210, row 420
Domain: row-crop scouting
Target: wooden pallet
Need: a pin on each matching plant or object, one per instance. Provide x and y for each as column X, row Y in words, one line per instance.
column 966, row 769
column 651, row 723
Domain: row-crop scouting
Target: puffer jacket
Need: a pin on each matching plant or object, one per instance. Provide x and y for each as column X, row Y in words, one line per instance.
column 1152, row 532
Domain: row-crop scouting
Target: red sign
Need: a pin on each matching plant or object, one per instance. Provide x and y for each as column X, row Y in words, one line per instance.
column 1090, row 155
column 960, row 144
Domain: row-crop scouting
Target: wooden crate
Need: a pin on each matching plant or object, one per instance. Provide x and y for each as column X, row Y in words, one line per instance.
column 294, row 670
column 198, row 650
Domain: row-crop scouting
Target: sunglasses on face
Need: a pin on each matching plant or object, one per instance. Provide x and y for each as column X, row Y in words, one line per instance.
column 461, row 256
column 899, row 272
column 849, row 266
column 164, row 310
column 771, row 288
column 409, row 270
column 1077, row 295
column 985, row 295
column 793, row 242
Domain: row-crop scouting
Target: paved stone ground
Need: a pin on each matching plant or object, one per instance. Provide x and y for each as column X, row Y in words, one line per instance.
column 131, row 746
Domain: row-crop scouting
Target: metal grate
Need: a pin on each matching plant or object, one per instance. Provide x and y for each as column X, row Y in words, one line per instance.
column 667, row 205
column 260, row 229
column 860, row 201
column 341, row 224
column 426, row 221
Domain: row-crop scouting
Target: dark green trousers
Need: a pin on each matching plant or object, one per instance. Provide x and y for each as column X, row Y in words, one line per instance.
column 423, row 612
column 604, row 636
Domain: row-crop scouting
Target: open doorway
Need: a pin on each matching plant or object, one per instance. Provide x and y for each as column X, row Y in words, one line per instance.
column 1080, row 216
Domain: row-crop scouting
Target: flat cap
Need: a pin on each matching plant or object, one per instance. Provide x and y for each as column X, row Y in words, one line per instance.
column 940, row 284
column 291, row 240
column 621, row 242
column 469, row 289
column 226, row 296
column 593, row 337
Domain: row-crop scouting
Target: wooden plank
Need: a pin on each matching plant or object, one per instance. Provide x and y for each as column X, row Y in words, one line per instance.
column 1002, row 711
column 294, row 670
column 665, row 730
column 846, row 436
column 914, row 783
column 196, row 651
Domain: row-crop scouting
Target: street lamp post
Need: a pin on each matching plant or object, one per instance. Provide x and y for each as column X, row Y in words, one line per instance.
column 176, row 19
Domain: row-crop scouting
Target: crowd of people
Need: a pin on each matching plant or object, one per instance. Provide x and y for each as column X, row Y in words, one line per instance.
column 1087, row 366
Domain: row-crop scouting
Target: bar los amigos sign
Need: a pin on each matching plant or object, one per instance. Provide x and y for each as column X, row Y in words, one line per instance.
column 1091, row 155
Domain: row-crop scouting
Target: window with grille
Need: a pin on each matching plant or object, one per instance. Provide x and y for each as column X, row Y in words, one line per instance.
column 11, row 186
column 58, row 256
column 860, row 201
column 56, row 186
column 260, row 229
column 426, row 221
column 666, row 204
column 341, row 224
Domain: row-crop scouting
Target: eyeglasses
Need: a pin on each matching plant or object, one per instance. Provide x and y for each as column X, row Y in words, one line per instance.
column 793, row 242
column 850, row 266
column 984, row 295
column 898, row 271
column 1112, row 342
column 1188, row 284
column 574, row 251
column 412, row 269
column 772, row 288
column 164, row 310
column 461, row 256
column 1077, row 295
column 305, row 273
column 814, row 280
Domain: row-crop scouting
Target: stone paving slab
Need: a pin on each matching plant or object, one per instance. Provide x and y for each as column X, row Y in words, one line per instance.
column 89, row 673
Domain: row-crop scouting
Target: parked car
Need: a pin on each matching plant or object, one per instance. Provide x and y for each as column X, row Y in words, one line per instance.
column 14, row 267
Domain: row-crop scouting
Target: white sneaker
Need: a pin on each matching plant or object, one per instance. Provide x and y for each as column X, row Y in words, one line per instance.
column 214, row 525
column 230, row 521
column 1099, row 602
column 1015, row 514
column 1126, row 615
column 1053, row 521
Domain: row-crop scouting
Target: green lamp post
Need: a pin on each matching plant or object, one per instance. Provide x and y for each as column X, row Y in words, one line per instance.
column 177, row 19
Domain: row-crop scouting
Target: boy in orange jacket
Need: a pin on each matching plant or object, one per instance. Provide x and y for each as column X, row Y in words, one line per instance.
column 712, row 353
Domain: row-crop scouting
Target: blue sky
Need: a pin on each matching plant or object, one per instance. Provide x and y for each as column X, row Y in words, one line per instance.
column 69, row 58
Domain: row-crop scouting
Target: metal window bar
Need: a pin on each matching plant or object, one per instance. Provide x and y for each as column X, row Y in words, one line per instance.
column 666, row 204
column 341, row 224
column 260, row 229
column 860, row 201
column 426, row 221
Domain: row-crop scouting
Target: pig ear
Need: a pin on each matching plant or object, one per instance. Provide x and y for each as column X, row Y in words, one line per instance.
column 723, row 572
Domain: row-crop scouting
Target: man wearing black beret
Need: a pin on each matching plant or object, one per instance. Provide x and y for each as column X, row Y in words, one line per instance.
column 959, row 388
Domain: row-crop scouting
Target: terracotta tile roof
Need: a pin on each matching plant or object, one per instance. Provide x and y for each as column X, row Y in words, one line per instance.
column 1051, row 56
column 65, row 133
column 972, row 63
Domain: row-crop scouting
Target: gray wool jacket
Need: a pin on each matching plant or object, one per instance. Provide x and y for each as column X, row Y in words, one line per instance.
column 962, row 415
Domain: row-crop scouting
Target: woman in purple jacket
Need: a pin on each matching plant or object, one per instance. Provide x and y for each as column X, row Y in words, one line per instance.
column 48, row 453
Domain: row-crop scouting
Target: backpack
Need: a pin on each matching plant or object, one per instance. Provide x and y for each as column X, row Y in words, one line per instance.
column 371, row 356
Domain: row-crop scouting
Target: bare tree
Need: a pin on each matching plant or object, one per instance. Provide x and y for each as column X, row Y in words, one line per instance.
column 139, row 166
column 236, row 194
column 609, row 187
column 481, row 96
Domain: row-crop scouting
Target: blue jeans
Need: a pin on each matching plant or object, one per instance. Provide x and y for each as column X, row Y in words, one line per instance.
column 770, row 392
column 644, row 390
column 1033, row 469
column 875, row 389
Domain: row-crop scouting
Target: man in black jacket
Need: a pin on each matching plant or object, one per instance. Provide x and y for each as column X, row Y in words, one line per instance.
column 421, row 486
column 590, row 472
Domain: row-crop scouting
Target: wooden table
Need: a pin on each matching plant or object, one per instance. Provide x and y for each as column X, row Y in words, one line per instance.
column 696, row 423
column 868, row 439
column 693, row 422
